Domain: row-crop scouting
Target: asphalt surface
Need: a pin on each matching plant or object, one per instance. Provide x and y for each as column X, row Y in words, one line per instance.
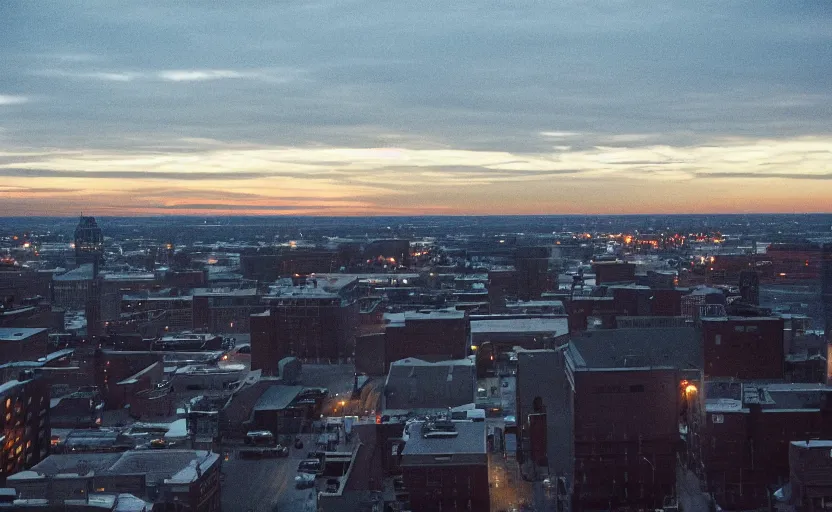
column 268, row 485
column 265, row 485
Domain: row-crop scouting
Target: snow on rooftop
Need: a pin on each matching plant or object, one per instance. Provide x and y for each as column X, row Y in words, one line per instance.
column 178, row 429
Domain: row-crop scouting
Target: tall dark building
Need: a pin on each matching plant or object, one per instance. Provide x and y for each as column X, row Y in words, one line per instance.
column 750, row 286
column 532, row 264
column 89, row 242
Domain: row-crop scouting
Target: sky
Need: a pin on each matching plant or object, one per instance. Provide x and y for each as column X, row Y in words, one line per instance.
column 324, row 107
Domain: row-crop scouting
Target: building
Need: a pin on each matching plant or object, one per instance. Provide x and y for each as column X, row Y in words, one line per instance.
column 270, row 267
column 314, row 320
column 810, row 476
column 112, row 286
column 172, row 479
column 89, row 243
column 432, row 335
column 20, row 283
column 93, row 502
column 174, row 312
column 24, row 423
column 614, row 272
column 278, row 410
column 743, row 347
column 507, row 331
column 71, row 290
column 445, row 466
column 532, row 264
column 415, row 384
column 113, row 367
column 224, row 311
column 542, row 388
column 613, row 402
column 361, row 484
column 19, row 344
column 740, row 433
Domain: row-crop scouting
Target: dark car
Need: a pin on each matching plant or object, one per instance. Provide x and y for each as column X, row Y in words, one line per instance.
column 311, row 466
column 304, row 481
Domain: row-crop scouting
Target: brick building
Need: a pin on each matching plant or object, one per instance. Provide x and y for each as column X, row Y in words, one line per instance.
column 316, row 319
column 739, row 437
column 172, row 479
column 446, row 470
column 24, row 423
column 433, row 336
column 224, row 311
column 533, row 278
column 20, row 344
column 743, row 347
column 614, row 272
column 628, row 396
column 609, row 403
column 810, row 477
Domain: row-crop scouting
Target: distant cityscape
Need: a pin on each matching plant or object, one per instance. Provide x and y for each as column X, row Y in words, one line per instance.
column 374, row 364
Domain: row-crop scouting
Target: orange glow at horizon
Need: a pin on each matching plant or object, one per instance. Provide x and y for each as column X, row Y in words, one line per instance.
column 725, row 178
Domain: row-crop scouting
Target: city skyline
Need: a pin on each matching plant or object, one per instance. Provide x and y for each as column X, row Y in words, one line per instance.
column 341, row 108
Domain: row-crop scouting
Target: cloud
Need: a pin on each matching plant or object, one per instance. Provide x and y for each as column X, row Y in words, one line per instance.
column 559, row 135
column 199, row 75
column 421, row 106
column 26, row 172
column 174, row 75
column 765, row 175
column 8, row 99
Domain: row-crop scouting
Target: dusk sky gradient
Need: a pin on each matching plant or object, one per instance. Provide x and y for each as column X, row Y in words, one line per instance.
column 328, row 107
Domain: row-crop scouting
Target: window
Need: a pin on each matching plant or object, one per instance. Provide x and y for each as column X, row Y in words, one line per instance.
column 718, row 339
column 718, row 418
column 637, row 388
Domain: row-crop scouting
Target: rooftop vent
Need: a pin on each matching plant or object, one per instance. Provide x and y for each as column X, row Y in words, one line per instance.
column 439, row 429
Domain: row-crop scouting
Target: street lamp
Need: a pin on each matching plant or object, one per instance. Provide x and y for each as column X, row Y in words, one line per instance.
column 653, row 468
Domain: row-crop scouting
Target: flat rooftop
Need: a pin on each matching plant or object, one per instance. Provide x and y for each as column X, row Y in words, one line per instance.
column 223, row 292
column 637, row 348
column 82, row 273
column 17, row 333
column 416, row 316
column 128, row 276
column 277, row 397
column 471, row 439
column 557, row 326
column 174, row 465
column 327, row 286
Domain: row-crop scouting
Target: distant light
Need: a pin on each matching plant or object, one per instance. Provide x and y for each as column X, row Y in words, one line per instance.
column 782, row 274
column 690, row 389
column 404, row 281
column 474, row 348
column 342, row 403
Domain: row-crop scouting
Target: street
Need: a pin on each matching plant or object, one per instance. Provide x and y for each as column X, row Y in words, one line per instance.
column 265, row 485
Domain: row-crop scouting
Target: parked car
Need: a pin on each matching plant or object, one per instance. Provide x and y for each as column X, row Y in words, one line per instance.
column 311, row 466
column 305, row 481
